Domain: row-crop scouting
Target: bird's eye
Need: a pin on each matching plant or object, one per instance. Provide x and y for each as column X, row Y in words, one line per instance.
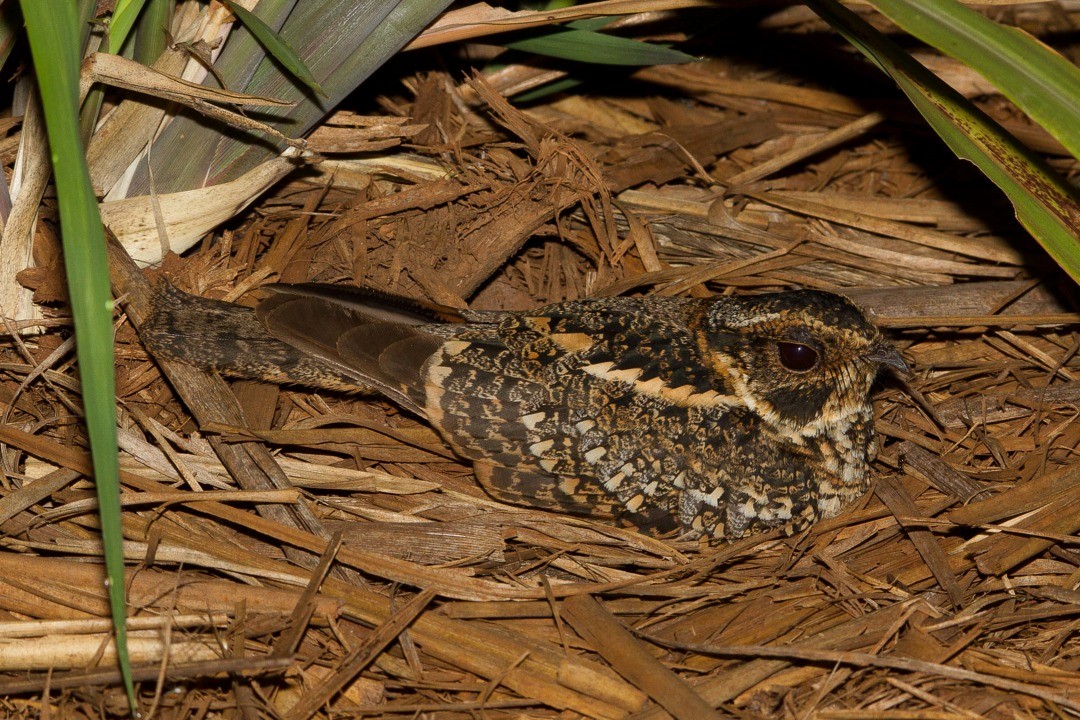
column 796, row 356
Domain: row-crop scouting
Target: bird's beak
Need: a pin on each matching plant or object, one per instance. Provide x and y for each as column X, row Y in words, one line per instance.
column 886, row 355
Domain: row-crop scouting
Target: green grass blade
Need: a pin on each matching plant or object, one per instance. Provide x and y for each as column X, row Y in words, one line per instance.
column 124, row 16
column 276, row 46
column 597, row 48
column 54, row 32
column 1044, row 203
column 596, row 23
column 551, row 88
column 152, row 33
column 94, row 37
column 1040, row 81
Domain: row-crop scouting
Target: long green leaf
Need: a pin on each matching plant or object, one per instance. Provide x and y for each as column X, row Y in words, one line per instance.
column 54, row 32
column 596, row 23
column 124, row 16
column 551, row 88
column 152, row 31
column 598, row 48
column 1040, row 81
column 276, row 46
column 1045, row 204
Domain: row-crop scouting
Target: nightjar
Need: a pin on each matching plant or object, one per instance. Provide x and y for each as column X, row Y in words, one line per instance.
column 717, row 417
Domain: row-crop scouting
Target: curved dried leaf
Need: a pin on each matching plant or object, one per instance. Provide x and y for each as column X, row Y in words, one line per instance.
column 187, row 215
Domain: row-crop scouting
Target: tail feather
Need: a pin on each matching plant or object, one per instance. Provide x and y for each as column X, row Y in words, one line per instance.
column 229, row 339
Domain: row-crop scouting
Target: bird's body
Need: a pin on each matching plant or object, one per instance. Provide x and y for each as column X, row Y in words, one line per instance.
column 720, row 417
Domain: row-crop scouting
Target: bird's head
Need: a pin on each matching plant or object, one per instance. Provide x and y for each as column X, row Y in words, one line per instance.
column 801, row 359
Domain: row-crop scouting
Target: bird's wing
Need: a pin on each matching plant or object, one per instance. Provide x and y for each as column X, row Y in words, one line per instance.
column 580, row 406
column 381, row 340
column 229, row 339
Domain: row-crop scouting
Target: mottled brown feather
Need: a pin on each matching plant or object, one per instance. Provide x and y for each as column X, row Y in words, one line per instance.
column 230, row 339
column 672, row 413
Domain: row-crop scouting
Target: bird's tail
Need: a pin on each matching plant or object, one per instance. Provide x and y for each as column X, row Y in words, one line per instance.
column 229, row 339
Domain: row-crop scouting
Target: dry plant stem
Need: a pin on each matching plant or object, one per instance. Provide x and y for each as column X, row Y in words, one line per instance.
column 923, row 236
column 931, row 468
column 480, row 19
column 1019, row 499
column 861, row 631
column 901, row 505
column 99, row 678
column 484, row 650
column 360, row 657
column 803, row 151
column 931, row 699
column 664, row 156
column 123, row 73
column 210, row 400
column 632, row 659
column 289, row 640
column 76, row 651
column 246, row 699
column 1059, row 518
column 894, row 663
column 164, row 499
column 130, row 75
column 974, row 321
column 102, row 625
column 421, row 197
column 302, row 475
column 18, row 500
column 57, row 588
column 976, row 299
column 126, row 130
column 965, row 411
column 414, row 710
column 919, row 211
column 428, row 543
column 31, row 176
column 704, row 81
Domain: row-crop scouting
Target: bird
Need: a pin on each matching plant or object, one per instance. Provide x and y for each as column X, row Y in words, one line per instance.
column 710, row 418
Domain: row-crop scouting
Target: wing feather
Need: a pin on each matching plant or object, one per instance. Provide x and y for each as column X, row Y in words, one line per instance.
column 379, row 344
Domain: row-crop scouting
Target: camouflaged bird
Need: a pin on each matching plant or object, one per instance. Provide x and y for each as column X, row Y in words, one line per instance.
column 717, row 417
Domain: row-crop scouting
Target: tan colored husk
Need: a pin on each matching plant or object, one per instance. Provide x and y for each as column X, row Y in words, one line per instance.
column 153, row 226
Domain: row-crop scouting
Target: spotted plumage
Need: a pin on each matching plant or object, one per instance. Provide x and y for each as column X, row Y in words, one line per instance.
column 717, row 417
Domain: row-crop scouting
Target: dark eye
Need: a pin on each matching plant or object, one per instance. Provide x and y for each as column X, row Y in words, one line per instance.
column 796, row 356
